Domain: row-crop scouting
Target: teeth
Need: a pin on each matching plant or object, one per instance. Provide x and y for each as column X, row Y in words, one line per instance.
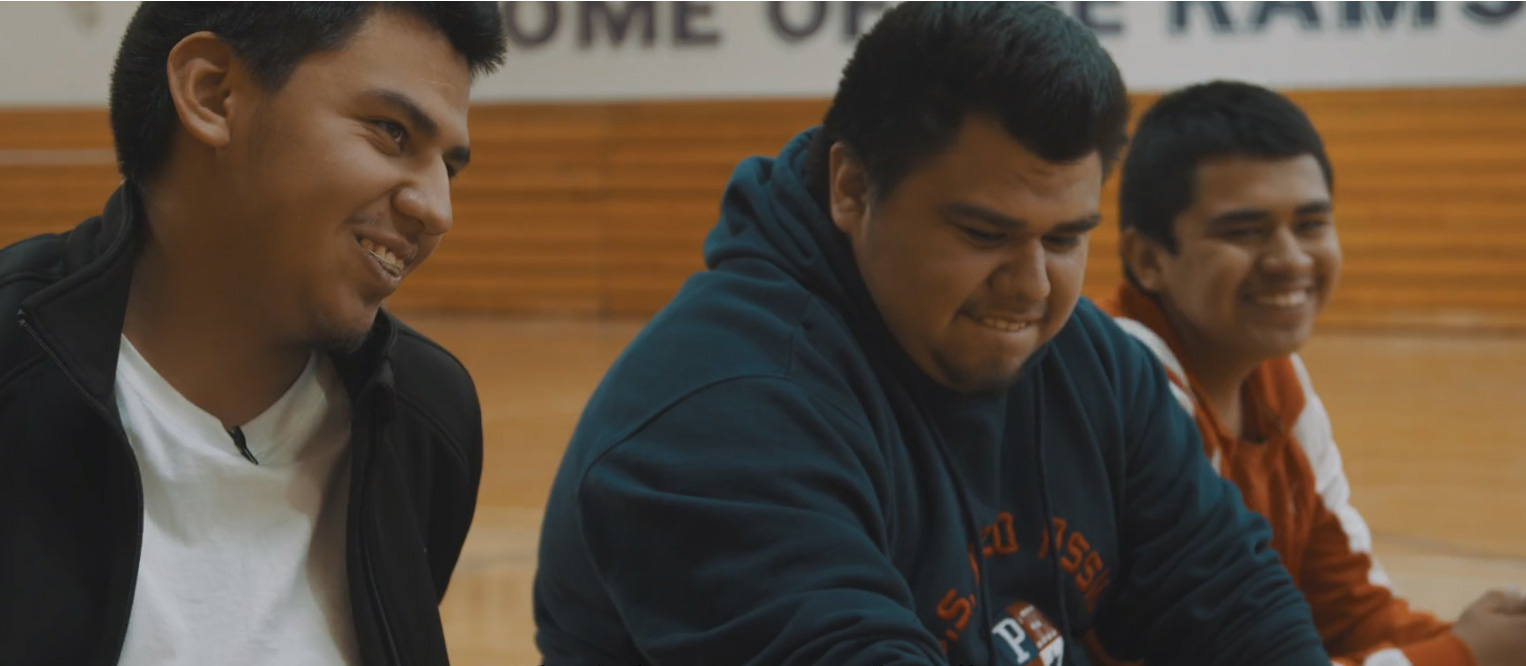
column 1005, row 324
column 388, row 260
column 1288, row 299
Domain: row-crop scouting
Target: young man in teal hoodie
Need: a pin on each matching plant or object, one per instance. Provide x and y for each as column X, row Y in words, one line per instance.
column 883, row 428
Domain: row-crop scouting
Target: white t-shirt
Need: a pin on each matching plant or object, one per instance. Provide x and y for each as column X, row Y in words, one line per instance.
column 242, row 563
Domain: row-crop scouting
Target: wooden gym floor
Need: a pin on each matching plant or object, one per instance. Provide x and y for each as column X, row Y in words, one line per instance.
column 1430, row 428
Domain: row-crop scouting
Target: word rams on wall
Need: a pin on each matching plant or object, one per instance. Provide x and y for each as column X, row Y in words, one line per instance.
column 692, row 24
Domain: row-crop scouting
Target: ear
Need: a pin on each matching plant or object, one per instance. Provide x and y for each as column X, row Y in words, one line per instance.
column 1145, row 258
column 202, row 81
column 849, row 185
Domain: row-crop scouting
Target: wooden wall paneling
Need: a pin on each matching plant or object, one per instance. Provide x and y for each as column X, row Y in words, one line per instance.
column 528, row 230
column 602, row 209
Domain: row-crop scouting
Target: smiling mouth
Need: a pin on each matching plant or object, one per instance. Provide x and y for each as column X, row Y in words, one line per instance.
column 389, row 262
column 1281, row 299
column 1005, row 325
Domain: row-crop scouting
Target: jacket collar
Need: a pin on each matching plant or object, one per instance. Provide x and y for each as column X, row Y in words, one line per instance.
column 79, row 317
column 1273, row 387
column 1134, row 303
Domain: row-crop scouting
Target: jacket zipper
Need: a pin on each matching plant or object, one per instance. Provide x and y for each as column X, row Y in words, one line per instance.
column 367, row 545
column 119, row 629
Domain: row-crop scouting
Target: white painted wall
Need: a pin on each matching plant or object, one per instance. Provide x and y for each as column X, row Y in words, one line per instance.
column 55, row 53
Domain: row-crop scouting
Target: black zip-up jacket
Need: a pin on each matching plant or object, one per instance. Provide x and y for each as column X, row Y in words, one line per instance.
column 71, row 501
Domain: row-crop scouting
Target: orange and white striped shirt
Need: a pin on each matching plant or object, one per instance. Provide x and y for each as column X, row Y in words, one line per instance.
column 1294, row 479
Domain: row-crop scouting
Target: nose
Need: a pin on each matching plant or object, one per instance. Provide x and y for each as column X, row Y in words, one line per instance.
column 1024, row 275
column 426, row 200
column 1285, row 255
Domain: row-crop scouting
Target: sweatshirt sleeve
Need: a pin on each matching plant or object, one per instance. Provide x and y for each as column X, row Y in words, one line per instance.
column 1359, row 617
column 1199, row 581
column 744, row 526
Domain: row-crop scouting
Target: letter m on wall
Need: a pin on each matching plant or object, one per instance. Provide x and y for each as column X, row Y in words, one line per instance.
column 616, row 18
column 1355, row 15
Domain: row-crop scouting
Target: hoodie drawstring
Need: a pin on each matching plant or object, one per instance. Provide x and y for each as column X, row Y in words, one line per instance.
column 1048, row 516
column 966, row 506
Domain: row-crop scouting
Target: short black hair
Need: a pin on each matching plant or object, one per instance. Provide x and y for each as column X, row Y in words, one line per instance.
column 926, row 66
column 271, row 38
column 1198, row 123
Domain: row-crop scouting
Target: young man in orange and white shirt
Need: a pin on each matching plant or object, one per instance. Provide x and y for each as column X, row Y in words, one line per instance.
column 1230, row 250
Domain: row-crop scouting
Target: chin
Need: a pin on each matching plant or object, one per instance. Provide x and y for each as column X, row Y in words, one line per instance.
column 344, row 345
column 1280, row 343
column 345, row 333
column 994, row 376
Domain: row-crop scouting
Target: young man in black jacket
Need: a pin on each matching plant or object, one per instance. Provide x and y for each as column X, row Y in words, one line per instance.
column 215, row 447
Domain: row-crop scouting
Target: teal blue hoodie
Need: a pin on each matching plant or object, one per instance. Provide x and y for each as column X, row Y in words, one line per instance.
column 764, row 477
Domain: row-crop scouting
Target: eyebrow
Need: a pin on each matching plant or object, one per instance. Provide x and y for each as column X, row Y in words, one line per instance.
column 458, row 156
column 1313, row 207
column 1258, row 214
column 995, row 219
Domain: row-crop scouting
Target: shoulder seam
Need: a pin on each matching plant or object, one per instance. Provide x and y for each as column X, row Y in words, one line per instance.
column 617, row 442
column 27, row 276
column 1176, row 375
column 7, row 378
column 434, row 423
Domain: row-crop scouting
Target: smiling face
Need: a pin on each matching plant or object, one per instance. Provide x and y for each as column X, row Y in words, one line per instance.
column 1257, row 257
column 339, row 183
column 976, row 258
